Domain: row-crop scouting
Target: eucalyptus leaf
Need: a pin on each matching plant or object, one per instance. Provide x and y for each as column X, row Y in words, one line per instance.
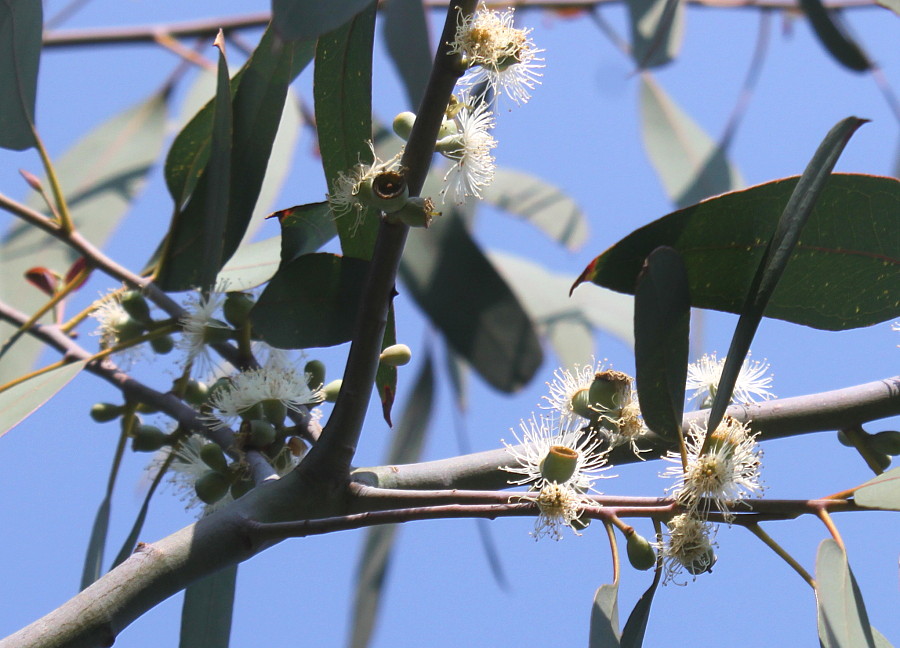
column 842, row 617
column 657, row 30
column 406, row 37
column 834, row 36
column 604, row 631
column 21, row 31
column 882, row 492
column 636, row 626
column 19, row 401
column 309, row 19
column 207, row 610
column 93, row 560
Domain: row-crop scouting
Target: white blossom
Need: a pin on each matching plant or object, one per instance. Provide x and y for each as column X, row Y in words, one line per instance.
column 469, row 149
column 688, row 545
column 752, row 383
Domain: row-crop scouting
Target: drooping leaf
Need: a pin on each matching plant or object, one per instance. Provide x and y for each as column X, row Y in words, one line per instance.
column 775, row 259
column 207, row 610
column 636, row 626
column 17, row 402
column 539, row 203
column 309, row 19
column 21, row 30
column 686, row 159
column 251, row 265
column 258, row 96
column 311, row 302
column 604, row 631
column 342, row 89
column 657, row 29
column 406, row 37
column 407, row 441
column 834, row 36
column 100, row 176
column 662, row 316
column 842, row 617
column 883, row 492
column 466, row 299
column 843, row 273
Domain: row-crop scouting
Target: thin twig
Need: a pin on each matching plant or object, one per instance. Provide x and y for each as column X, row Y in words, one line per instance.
column 756, row 530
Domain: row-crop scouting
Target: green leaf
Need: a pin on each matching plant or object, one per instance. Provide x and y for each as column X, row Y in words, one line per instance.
column 662, row 316
column 311, row 302
column 259, row 93
column 406, row 37
column 406, row 447
column 466, row 299
column 21, row 30
column 539, row 203
column 207, row 609
column 843, row 273
column 688, row 162
column 636, row 626
column 842, row 617
column 100, row 176
column 251, row 265
column 834, row 36
column 17, row 402
column 883, row 492
column 604, row 631
column 776, row 257
column 131, row 541
column 342, row 89
column 657, row 29
column 309, row 19
column 304, row 229
column 93, row 560
column 386, row 375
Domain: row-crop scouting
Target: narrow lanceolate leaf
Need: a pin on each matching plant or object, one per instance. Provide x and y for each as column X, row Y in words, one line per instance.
column 842, row 617
column 775, row 259
column 21, row 27
column 657, row 29
column 258, row 94
column 207, row 610
column 686, row 159
column 604, row 631
column 406, row 36
column 252, row 265
column 842, row 274
column 883, row 492
column 833, row 35
column 406, row 447
column 342, row 89
column 311, row 302
column 304, row 229
column 17, row 402
column 662, row 315
column 100, row 177
column 309, row 19
column 539, row 203
column 449, row 277
column 386, row 375
column 636, row 626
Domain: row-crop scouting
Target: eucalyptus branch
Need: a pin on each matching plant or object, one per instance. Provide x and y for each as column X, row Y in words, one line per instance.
column 331, row 457
column 773, row 419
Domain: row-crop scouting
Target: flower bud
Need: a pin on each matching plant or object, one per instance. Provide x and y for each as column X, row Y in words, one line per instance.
column 403, row 124
column 211, row 454
column 417, row 212
column 640, row 552
column 702, row 564
column 134, row 304
column 262, row 434
column 887, row 442
column 331, row 390
column 217, row 332
column 253, row 413
column 842, row 438
column 212, row 486
column 127, row 328
column 148, row 438
column 162, row 344
column 396, row 355
column 146, row 408
column 196, row 392
column 274, row 411
column 105, row 412
column 559, row 465
column 315, row 374
column 237, row 308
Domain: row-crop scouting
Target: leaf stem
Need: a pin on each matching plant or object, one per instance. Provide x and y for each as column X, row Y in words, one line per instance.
column 756, row 530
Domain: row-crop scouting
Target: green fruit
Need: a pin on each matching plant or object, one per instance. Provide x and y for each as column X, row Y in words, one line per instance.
column 211, row 454
column 162, row 344
column 262, row 434
column 640, row 552
column 212, row 486
column 315, row 374
column 105, row 412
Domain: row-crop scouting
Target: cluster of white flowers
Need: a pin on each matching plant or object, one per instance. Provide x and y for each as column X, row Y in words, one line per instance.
column 198, row 326
column 753, row 382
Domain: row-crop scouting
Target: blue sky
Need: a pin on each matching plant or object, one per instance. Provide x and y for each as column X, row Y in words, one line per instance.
column 581, row 132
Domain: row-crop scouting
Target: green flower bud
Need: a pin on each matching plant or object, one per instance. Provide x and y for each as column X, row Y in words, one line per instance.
column 702, row 564
column 196, row 392
column 448, row 128
column 417, row 212
column 253, row 413
column 315, row 374
column 640, row 552
column 105, row 412
column 237, row 308
column 403, row 124
column 887, row 442
column 559, row 465
column 262, row 434
column 274, row 411
column 396, row 355
column 883, row 461
column 331, row 390
column 452, row 146
column 146, row 408
column 240, row 488
column 212, row 486
column 148, row 438
column 128, row 328
column 217, row 332
column 135, row 305
column 843, row 439
column 211, row 454
column 162, row 344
